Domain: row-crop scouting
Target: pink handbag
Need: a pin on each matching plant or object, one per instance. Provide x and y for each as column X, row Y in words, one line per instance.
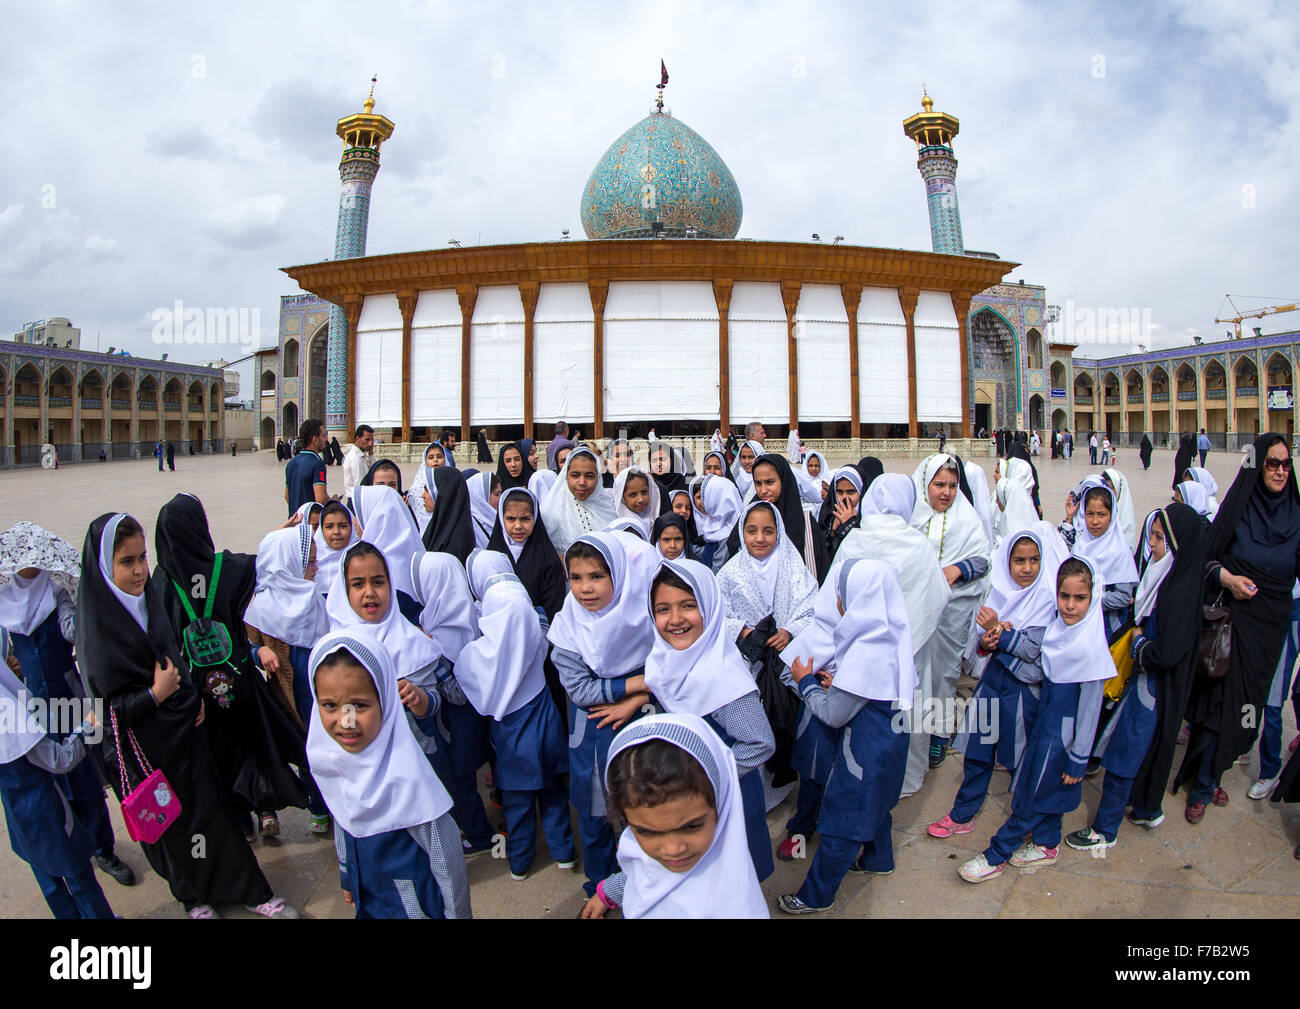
column 152, row 806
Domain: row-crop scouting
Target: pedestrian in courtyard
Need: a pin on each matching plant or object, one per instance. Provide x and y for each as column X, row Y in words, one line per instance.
column 358, row 460
column 1092, row 448
column 171, row 457
column 1203, row 446
column 158, row 452
column 304, row 477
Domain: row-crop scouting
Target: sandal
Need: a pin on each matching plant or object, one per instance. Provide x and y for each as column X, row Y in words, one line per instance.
column 203, row 911
column 269, row 825
column 319, row 824
column 275, row 908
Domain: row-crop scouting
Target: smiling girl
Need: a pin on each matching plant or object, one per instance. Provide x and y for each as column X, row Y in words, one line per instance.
column 695, row 668
column 397, row 844
column 636, row 497
column 673, row 788
column 576, row 504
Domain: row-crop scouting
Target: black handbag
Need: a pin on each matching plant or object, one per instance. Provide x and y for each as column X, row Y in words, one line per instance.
column 1215, row 645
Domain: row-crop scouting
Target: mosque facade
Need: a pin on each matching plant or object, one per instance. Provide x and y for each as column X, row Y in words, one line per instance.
column 840, row 341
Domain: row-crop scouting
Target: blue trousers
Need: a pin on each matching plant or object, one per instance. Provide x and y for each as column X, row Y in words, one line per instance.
column 74, row 896
column 521, row 825
column 1043, row 828
column 1115, row 791
column 1203, row 787
column 834, row 857
column 1270, row 739
column 976, row 775
column 467, row 809
column 599, row 851
column 807, row 808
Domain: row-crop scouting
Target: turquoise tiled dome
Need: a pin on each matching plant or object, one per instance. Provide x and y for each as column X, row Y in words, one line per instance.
column 661, row 170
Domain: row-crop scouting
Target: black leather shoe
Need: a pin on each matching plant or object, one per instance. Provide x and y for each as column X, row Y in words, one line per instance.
column 116, row 868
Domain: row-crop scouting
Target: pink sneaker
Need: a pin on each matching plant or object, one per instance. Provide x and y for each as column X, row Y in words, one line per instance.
column 1031, row 854
column 947, row 827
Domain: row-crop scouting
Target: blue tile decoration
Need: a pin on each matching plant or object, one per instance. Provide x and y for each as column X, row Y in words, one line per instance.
column 661, row 171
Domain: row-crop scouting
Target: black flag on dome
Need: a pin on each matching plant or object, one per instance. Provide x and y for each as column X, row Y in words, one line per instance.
column 663, row 75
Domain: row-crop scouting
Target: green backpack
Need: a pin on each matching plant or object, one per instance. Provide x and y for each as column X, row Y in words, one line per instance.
column 205, row 641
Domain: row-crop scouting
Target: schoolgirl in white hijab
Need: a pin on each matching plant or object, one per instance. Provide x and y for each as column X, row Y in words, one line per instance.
column 874, row 678
column 884, row 534
column 744, row 480
column 501, row 670
column 793, row 448
column 810, row 486
column 26, row 603
column 722, row 506
column 1020, row 472
column 1108, row 554
column 1194, row 495
column 386, row 788
column 646, row 517
column 1015, row 509
column 566, row 517
column 1123, row 512
column 423, row 481
column 541, row 482
column 722, row 884
column 482, row 514
column 1206, row 480
column 957, row 537
column 286, row 604
column 778, row 585
column 387, row 523
column 447, row 614
column 327, row 558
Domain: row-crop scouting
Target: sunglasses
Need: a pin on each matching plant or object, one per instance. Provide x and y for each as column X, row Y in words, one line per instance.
column 1273, row 465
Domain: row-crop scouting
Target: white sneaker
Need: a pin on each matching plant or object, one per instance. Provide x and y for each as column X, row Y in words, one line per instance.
column 1261, row 788
column 977, row 870
column 1030, row 854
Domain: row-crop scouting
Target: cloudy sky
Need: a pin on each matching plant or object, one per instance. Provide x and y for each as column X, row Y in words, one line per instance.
column 1135, row 156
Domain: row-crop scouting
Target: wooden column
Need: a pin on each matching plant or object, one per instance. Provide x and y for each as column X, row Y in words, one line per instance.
column 722, row 294
column 467, row 297
column 599, row 291
column 406, row 303
column 352, row 311
column 790, row 296
column 528, row 292
column 961, row 304
column 907, row 297
column 852, row 294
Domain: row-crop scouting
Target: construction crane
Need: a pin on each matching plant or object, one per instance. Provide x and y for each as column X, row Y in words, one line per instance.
column 1255, row 314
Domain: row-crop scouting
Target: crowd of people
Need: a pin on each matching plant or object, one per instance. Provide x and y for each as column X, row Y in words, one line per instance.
column 651, row 653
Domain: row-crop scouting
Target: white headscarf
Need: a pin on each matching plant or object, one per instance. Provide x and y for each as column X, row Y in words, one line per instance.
column 414, row 654
column 441, row 588
column 792, row 450
column 716, row 444
column 850, row 473
column 816, row 642
column 1194, row 494
column 483, row 568
column 1031, row 606
column 482, row 514
column 1019, row 471
column 566, row 517
column 26, row 603
column 883, row 534
column 722, row 506
column 1206, row 480
column 387, row 523
column 541, row 482
column 286, row 605
column 873, row 643
column 722, row 884
column 1017, row 511
column 1078, row 653
column 22, row 731
column 516, row 548
column 957, row 534
column 327, row 558
column 745, row 481
column 389, row 785
column 1153, row 574
column 979, row 489
column 810, row 487
column 134, row 605
column 501, row 670
column 1124, row 507
column 1108, row 553
column 779, row 584
column 616, row 640
column 423, row 481
column 710, row 673
column 646, row 519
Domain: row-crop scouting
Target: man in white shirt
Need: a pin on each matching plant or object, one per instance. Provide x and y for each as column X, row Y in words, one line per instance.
column 358, row 459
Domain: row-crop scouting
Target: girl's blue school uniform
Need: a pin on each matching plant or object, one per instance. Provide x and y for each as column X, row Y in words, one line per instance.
column 1060, row 743
column 465, row 735
column 754, row 806
column 811, row 758
column 864, row 784
column 46, row 833
column 588, row 752
column 300, row 660
column 532, row 754
column 47, row 665
column 395, row 874
column 1270, row 730
column 1010, row 685
column 1124, row 745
